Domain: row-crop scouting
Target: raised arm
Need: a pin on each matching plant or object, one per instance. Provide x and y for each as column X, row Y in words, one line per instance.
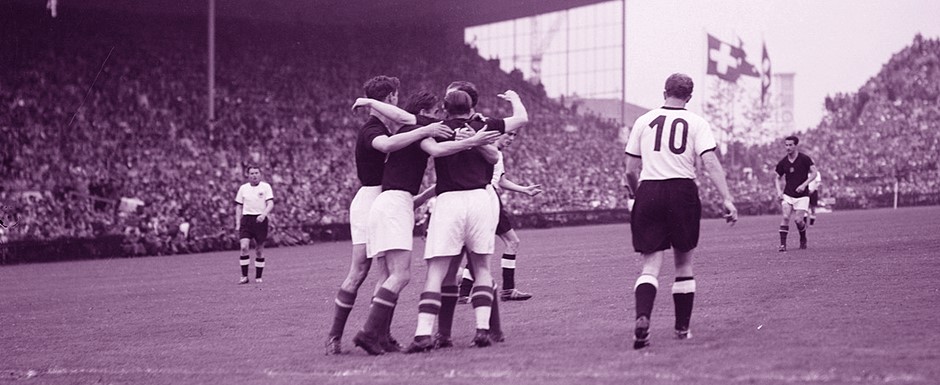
column 519, row 114
column 388, row 111
column 717, row 174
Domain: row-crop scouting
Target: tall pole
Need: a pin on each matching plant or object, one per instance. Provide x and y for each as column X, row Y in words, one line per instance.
column 623, row 63
column 211, row 61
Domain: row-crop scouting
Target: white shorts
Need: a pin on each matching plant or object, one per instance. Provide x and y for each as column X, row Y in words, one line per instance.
column 797, row 203
column 391, row 223
column 359, row 213
column 463, row 218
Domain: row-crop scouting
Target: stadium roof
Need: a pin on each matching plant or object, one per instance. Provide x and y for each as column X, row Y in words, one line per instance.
column 456, row 13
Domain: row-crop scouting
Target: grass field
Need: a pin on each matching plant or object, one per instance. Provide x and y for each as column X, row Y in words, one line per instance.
column 860, row 306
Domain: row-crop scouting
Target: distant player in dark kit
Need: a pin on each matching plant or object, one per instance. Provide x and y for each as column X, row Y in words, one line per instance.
column 465, row 216
column 667, row 210
column 376, row 139
column 794, row 174
column 253, row 203
column 391, row 219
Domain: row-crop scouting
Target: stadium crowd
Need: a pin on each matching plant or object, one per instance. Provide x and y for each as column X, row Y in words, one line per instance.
column 105, row 130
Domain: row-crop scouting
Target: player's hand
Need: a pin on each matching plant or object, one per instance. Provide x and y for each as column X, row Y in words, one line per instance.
column 477, row 116
column 731, row 213
column 437, row 130
column 261, row 218
column 238, row 226
column 509, row 96
column 484, row 137
column 532, row 190
column 800, row 188
column 465, row 132
column 362, row 102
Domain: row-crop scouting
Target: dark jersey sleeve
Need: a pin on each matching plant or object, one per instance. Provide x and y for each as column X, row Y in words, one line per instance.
column 369, row 133
column 498, row 125
column 781, row 169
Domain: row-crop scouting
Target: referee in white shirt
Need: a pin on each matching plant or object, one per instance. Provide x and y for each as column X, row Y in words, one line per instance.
column 667, row 209
column 253, row 203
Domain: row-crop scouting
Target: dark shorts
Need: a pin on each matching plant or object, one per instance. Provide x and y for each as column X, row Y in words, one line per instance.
column 666, row 214
column 814, row 198
column 505, row 223
column 251, row 229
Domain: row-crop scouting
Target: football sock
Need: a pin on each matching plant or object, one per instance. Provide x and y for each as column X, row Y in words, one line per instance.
column 645, row 291
column 344, row 304
column 383, row 304
column 244, row 261
column 259, row 267
column 448, row 305
column 812, row 219
column 683, row 295
column 429, row 306
column 784, row 230
column 481, row 297
column 495, row 325
column 509, row 271
column 466, row 283
column 801, row 227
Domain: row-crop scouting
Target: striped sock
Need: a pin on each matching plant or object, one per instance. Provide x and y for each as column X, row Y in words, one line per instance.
column 244, row 261
column 466, row 283
column 259, row 267
column 683, row 295
column 784, row 230
column 379, row 313
column 344, row 304
column 481, row 297
column 428, row 308
column 645, row 291
column 448, row 305
column 508, row 263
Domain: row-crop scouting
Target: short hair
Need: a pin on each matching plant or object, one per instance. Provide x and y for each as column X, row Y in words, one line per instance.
column 467, row 87
column 457, row 103
column 381, row 86
column 251, row 166
column 793, row 138
column 423, row 100
column 679, row 86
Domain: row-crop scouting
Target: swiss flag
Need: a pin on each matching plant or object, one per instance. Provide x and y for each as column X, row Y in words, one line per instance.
column 727, row 61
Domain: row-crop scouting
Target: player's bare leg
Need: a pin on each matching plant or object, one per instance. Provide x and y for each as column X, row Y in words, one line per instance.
column 645, row 293
column 244, row 259
column 429, row 305
column 787, row 210
column 683, row 294
column 481, row 297
column 259, row 260
column 801, row 226
column 358, row 270
column 374, row 335
column 508, row 264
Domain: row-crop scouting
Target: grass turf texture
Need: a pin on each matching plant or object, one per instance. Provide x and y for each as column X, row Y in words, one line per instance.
column 858, row 307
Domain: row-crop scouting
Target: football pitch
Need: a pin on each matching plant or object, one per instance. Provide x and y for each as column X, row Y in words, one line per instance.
column 860, row 306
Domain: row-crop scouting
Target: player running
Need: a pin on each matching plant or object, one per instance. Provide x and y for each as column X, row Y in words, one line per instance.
column 794, row 174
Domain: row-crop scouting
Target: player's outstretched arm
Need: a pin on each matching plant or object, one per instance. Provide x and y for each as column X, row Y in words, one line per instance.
column 530, row 190
column 423, row 197
column 390, row 112
column 397, row 142
column 519, row 114
column 439, row 149
column 717, row 174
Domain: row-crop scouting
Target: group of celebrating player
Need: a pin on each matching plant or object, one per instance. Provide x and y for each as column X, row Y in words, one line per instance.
column 392, row 152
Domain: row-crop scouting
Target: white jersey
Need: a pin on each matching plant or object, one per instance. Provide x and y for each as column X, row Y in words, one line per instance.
column 814, row 185
column 253, row 198
column 498, row 170
column 668, row 140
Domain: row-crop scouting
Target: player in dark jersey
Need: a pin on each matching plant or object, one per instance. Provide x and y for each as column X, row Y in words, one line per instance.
column 465, row 218
column 794, row 174
column 391, row 223
column 374, row 141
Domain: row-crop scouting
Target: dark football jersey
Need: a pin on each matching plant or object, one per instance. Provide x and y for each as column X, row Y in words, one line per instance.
column 796, row 173
column 404, row 169
column 465, row 170
column 370, row 162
